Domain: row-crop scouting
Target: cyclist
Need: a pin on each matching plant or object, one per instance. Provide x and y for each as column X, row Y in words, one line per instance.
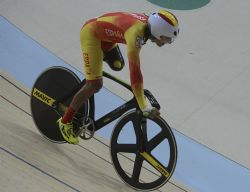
column 99, row 38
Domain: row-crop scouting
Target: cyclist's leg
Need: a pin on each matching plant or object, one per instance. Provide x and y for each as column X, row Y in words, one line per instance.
column 113, row 56
column 92, row 59
column 92, row 56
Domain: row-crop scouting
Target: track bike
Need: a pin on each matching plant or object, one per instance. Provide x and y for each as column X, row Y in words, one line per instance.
column 145, row 159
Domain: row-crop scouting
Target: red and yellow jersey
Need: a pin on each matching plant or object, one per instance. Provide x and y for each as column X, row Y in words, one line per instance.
column 129, row 29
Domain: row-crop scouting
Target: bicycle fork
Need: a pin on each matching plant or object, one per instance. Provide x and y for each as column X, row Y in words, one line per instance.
column 143, row 151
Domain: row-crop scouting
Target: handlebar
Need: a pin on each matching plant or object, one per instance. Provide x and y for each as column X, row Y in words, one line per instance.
column 147, row 93
column 152, row 99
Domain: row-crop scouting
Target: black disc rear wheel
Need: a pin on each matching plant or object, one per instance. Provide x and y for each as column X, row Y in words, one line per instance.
column 52, row 85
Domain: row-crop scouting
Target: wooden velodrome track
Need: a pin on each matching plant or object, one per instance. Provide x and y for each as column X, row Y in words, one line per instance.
column 28, row 162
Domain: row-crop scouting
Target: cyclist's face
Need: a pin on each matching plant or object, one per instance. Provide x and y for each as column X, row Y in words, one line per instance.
column 162, row 41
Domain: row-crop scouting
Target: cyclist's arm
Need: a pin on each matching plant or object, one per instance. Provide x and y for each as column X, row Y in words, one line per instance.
column 136, row 77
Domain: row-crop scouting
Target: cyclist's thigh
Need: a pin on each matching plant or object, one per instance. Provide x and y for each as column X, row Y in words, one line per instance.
column 92, row 53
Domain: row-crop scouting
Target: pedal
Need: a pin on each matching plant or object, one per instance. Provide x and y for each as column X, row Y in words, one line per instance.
column 87, row 130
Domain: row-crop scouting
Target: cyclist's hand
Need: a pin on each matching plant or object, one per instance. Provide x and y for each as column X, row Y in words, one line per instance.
column 151, row 112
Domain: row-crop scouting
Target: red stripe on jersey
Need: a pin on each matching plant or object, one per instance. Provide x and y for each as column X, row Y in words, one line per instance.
column 111, row 32
column 135, row 74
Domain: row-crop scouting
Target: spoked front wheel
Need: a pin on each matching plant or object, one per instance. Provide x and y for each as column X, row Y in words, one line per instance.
column 144, row 153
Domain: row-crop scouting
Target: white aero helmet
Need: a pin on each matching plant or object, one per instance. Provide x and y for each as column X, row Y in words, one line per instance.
column 163, row 23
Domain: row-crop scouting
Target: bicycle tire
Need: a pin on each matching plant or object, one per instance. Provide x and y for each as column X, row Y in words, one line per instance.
column 128, row 174
column 53, row 82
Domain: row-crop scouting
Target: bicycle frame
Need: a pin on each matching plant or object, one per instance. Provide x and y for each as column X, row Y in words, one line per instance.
column 116, row 113
column 119, row 111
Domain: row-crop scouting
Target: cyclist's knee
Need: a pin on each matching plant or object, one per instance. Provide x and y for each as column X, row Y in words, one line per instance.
column 117, row 65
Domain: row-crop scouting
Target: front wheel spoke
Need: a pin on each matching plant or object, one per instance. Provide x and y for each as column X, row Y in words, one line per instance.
column 137, row 168
column 156, row 164
column 155, row 141
column 126, row 148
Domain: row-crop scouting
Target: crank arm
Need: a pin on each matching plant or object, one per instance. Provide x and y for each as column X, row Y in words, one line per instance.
column 86, row 133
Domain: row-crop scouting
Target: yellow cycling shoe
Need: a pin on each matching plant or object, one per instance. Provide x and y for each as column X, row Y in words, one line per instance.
column 67, row 132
